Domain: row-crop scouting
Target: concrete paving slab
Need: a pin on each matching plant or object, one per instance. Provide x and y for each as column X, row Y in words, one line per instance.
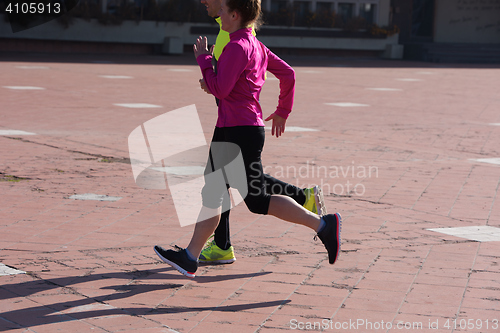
column 24, row 88
column 93, row 196
column 6, row 270
column 479, row 233
column 15, row 132
column 295, row 129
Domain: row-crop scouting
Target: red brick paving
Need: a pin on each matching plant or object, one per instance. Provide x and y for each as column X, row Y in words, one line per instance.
column 91, row 266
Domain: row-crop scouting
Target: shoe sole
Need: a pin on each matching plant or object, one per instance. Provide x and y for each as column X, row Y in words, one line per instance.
column 228, row 261
column 174, row 265
column 339, row 229
column 319, row 200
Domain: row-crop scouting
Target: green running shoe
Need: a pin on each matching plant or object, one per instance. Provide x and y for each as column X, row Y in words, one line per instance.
column 315, row 201
column 212, row 254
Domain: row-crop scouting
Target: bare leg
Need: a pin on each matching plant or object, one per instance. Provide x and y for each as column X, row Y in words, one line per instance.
column 287, row 209
column 203, row 230
column 281, row 206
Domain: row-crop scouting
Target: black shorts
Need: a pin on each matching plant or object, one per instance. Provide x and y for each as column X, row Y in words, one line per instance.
column 227, row 144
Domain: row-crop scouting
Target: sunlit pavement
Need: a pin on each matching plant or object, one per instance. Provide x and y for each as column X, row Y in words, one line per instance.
column 407, row 152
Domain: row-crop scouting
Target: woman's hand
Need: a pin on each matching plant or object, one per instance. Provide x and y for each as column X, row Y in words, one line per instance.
column 201, row 47
column 278, row 124
column 203, row 86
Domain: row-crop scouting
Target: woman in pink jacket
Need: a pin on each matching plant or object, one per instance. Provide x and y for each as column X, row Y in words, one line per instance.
column 241, row 74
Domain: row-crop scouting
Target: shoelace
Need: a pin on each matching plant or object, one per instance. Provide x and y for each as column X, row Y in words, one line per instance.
column 209, row 246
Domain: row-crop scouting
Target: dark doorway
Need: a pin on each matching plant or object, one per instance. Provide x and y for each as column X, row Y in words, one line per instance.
column 422, row 19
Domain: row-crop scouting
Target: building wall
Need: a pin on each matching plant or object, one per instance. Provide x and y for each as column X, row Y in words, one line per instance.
column 467, row 21
column 381, row 15
column 384, row 12
column 148, row 32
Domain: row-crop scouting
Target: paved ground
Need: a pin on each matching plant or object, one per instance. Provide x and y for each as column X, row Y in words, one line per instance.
column 410, row 147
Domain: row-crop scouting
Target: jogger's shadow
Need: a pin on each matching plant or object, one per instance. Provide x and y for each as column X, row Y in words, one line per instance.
column 97, row 306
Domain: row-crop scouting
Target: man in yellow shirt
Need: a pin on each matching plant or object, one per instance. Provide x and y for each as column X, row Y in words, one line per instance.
column 213, row 7
column 219, row 250
column 222, row 40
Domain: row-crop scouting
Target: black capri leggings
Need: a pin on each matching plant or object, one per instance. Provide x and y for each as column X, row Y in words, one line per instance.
column 250, row 141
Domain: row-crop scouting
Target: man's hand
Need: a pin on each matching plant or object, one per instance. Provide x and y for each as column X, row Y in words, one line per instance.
column 278, row 124
column 203, row 86
column 201, row 47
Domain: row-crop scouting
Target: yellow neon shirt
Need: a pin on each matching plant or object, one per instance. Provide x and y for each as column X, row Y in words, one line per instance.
column 222, row 40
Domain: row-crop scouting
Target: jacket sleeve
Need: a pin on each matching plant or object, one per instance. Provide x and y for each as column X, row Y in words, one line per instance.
column 286, row 76
column 232, row 62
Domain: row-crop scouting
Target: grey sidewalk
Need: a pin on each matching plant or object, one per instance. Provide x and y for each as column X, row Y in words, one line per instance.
column 400, row 147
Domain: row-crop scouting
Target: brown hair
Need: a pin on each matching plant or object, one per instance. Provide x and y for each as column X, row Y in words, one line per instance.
column 250, row 11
